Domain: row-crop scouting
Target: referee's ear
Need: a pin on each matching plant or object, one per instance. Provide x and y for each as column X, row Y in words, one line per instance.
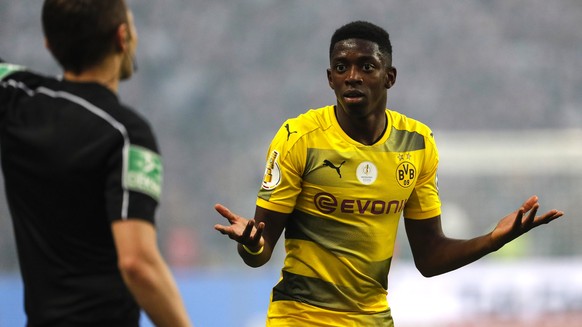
column 122, row 38
column 46, row 44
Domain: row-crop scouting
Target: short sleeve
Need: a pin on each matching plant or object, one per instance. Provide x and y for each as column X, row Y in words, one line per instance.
column 134, row 174
column 424, row 201
column 283, row 173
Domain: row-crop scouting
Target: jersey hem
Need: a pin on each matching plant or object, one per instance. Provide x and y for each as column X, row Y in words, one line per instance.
column 424, row 214
column 273, row 206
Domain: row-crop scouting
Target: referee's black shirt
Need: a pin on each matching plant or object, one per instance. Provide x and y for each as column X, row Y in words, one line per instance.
column 64, row 149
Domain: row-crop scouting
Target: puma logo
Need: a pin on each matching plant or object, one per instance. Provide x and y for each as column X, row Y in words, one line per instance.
column 288, row 131
column 327, row 163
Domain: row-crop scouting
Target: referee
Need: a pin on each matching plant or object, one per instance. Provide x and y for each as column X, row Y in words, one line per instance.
column 83, row 177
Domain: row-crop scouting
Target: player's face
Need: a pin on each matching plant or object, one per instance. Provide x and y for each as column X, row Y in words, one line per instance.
column 127, row 65
column 360, row 75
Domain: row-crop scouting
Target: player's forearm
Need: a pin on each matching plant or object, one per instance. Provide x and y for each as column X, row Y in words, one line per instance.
column 448, row 254
column 156, row 292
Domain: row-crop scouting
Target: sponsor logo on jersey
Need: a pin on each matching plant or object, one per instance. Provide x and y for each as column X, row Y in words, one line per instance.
column 327, row 203
column 405, row 172
column 327, row 163
column 144, row 171
column 272, row 176
column 367, row 173
column 289, row 132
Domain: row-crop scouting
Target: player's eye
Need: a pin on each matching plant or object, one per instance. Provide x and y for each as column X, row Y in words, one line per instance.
column 368, row 67
column 340, row 68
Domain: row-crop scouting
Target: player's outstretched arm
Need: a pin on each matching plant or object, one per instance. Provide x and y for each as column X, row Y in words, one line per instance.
column 435, row 254
column 146, row 274
column 256, row 237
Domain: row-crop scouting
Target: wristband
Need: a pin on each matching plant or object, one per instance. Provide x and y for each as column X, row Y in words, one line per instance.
column 259, row 251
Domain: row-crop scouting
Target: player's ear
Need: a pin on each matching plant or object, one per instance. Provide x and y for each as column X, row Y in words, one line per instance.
column 329, row 78
column 390, row 77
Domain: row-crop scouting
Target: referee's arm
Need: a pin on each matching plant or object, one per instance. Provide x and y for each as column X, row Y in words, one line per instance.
column 146, row 274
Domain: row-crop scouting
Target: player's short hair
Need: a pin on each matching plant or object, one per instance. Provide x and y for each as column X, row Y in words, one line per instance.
column 80, row 33
column 365, row 31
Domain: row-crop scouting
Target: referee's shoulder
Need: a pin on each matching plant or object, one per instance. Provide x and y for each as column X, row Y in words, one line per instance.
column 128, row 115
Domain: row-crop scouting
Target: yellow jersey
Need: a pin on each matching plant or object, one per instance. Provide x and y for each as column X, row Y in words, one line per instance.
column 345, row 200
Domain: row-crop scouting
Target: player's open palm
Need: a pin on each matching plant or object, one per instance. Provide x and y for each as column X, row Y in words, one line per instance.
column 241, row 229
column 521, row 221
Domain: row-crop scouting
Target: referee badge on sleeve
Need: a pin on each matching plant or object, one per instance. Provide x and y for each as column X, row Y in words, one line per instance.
column 144, row 171
column 7, row 69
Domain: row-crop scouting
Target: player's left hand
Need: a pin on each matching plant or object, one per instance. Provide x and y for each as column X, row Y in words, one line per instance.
column 521, row 221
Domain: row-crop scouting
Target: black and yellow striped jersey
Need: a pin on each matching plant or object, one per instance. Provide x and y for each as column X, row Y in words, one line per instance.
column 345, row 201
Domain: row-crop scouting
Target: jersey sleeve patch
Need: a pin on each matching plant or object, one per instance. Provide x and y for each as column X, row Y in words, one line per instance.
column 272, row 176
column 7, row 69
column 144, row 172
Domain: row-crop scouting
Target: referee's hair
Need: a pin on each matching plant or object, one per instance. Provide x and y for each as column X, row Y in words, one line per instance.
column 80, row 33
column 366, row 31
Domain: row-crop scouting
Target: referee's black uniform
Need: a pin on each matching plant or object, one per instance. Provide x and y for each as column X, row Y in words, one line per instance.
column 66, row 156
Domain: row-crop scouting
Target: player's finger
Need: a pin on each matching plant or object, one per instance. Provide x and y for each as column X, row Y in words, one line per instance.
column 531, row 216
column 557, row 214
column 529, row 203
column 259, row 232
column 517, row 222
column 225, row 212
column 222, row 229
column 549, row 216
column 246, row 235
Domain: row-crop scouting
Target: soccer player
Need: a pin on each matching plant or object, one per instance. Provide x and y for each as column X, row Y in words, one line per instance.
column 83, row 176
column 337, row 180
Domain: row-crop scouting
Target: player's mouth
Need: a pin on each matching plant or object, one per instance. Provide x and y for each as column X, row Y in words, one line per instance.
column 353, row 96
